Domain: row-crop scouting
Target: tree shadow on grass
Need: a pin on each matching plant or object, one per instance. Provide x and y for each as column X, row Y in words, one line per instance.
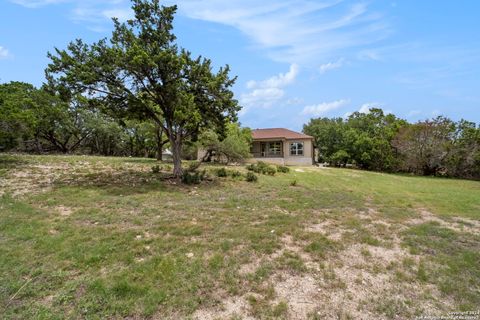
column 129, row 182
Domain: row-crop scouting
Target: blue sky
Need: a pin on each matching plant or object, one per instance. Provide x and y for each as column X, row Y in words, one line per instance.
column 295, row 59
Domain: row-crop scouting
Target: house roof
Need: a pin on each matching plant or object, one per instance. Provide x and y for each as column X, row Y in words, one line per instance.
column 280, row 133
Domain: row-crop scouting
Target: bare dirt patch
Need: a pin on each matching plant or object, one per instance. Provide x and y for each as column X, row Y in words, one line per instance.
column 64, row 211
column 457, row 224
column 328, row 228
column 230, row 308
column 300, row 293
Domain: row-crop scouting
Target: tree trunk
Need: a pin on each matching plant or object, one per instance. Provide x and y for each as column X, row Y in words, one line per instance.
column 176, row 155
column 160, row 143
column 159, row 154
column 38, row 145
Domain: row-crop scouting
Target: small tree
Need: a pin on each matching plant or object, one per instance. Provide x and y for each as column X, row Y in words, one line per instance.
column 424, row 146
column 234, row 147
column 141, row 73
column 17, row 113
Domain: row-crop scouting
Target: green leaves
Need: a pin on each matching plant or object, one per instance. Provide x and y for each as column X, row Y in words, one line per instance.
column 141, row 73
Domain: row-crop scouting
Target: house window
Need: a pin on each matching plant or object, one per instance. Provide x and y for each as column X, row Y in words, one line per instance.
column 296, row 149
column 275, row 148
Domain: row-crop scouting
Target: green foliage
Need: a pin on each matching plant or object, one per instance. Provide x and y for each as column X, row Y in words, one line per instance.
column 195, row 177
column 270, row 170
column 424, row 146
column 363, row 139
column 156, row 169
column 48, row 119
column 193, row 166
column 251, row 177
column 235, row 174
column 440, row 147
column 235, row 147
column 283, row 169
column 262, row 168
column 141, row 73
column 18, row 102
column 222, row 172
column 376, row 141
column 294, row 183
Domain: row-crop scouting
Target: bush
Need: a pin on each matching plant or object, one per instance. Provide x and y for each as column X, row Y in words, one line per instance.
column 270, row 170
column 193, row 177
column 283, row 169
column 193, row 166
column 222, row 173
column 156, row 169
column 294, row 183
column 251, row 177
column 262, row 167
column 235, row 174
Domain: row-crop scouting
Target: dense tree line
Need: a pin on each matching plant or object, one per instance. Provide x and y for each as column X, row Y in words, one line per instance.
column 40, row 120
column 383, row 142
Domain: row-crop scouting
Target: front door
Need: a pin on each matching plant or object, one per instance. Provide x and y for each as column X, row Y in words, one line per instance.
column 264, row 149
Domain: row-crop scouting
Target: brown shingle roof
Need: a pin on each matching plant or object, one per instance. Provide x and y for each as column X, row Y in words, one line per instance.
column 279, row 133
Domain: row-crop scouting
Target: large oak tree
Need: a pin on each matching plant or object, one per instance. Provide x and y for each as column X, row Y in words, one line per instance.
column 141, row 73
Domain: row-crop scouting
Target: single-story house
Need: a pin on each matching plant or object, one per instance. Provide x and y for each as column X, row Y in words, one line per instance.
column 282, row 146
column 277, row 146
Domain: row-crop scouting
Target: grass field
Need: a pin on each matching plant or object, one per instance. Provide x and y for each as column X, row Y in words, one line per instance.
column 94, row 238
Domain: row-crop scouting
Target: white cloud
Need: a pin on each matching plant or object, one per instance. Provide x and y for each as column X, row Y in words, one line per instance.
column 347, row 114
column 96, row 14
column 287, row 31
column 324, row 107
column 414, row 113
column 36, row 3
column 280, row 80
column 293, row 31
column 370, row 54
column 123, row 14
column 365, row 108
column 267, row 92
column 264, row 97
column 4, row 53
column 331, row 65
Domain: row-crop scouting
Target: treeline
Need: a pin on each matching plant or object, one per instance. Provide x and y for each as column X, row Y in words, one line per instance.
column 41, row 121
column 383, row 142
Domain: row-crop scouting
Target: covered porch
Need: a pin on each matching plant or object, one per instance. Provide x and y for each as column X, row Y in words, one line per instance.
column 268, row 149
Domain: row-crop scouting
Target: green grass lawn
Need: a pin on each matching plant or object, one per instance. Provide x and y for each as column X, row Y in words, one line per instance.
column 94, row 238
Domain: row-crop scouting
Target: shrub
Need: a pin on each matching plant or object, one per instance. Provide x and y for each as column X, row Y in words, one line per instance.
column 235, row 174
column 262, row 167
column 294, row 183
column 222, row 172
column 283, row 169
column 251, row 177
column 270, row 170
column 156, row 169
column 193, row 166
column 193, row 177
